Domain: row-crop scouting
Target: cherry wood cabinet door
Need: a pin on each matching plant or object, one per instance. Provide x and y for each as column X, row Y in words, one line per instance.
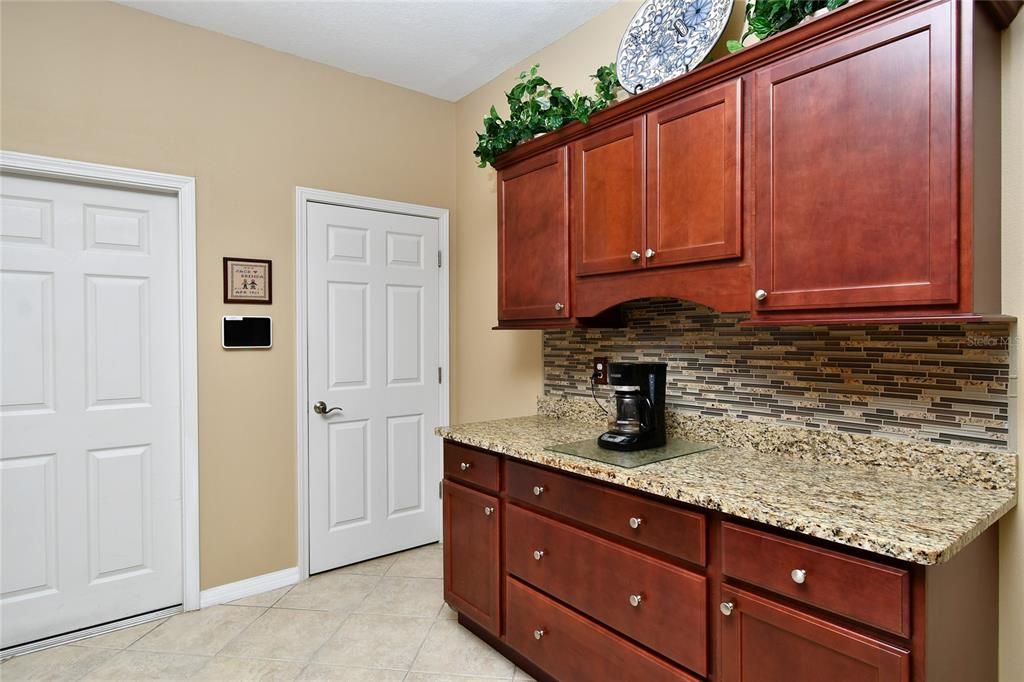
column 694, row 172
column 762, row 641
column 855, row 156
column 472, row 558
column 533, row 238
column 608, row 199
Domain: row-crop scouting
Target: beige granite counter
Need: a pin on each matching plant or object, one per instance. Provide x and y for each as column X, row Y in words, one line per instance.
column 886, row 507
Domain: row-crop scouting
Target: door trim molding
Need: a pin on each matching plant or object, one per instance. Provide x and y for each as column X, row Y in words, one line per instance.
column 184, row 188
column 304, row 195
column 248, row 587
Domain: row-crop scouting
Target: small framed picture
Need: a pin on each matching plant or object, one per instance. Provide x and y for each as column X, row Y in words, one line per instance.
column 248, row 280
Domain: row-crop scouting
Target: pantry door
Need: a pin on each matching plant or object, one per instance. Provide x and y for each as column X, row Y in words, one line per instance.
column 90, row 470
column 373, row 288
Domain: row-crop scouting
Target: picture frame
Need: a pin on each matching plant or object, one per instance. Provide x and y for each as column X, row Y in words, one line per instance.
column 248, row 280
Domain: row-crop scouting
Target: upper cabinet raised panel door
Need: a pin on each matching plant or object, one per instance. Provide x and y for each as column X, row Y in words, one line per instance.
column 533, row 238
column 855, row 170
column 608, row 200
column 694, row 178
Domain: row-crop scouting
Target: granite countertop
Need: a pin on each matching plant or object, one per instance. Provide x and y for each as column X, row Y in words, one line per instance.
column 894, row 511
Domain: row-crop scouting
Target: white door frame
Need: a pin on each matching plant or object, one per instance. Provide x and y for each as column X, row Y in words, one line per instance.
column 184, row 188
column 302, row 196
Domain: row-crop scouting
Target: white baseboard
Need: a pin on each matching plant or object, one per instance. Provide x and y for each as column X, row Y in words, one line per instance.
column 248, row 587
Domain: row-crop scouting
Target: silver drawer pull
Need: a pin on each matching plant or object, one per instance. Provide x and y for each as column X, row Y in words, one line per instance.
column 488, row 511
column 726, row 608
column 537, row 634
column 635, row 522
column 465, row 466
column 798, row 575
column 635, row 600
column 537, row 490
column 538, row 554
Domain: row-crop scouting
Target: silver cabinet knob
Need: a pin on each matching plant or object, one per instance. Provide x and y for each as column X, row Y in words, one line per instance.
column 537, row 490
column 798, row 575
column 649, row 253
column 760, row 294
column 537, row 634
column 726, row 608
column 559, row 307
column 465, row 466
column 538, row 554
column 635, row 600
column 635, row 522
column 488, row 511
column 634, row 256
column 320, row 407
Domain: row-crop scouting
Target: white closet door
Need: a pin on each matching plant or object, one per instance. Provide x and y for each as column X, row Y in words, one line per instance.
column 373, row 287
column 90, row 468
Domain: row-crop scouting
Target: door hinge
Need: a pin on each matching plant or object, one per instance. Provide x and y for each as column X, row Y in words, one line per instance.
column 440, row 489
column 439, row 375
column 438, row 259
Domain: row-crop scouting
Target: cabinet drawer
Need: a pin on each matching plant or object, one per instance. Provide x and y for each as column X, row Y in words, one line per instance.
column 605, row 580
column 568, row 646
column 662, row 527
column 872, row 593
column 472, row 466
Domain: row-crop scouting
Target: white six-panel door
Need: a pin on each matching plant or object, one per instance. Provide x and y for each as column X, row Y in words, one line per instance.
column 90, row 468
column 372, row 349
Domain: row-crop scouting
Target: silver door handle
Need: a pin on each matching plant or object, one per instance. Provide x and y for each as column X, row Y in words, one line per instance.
column 320, row 407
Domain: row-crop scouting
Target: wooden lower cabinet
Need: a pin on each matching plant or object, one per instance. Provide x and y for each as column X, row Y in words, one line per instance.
column 653, row 602
column 764, row 641
column 570, row 647
column 472, row 578
column 548, row 567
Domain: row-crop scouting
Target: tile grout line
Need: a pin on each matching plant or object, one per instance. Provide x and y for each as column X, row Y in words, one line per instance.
column 348, row 616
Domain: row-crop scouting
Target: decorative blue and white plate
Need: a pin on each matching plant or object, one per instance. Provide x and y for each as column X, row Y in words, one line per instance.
column 667, row 38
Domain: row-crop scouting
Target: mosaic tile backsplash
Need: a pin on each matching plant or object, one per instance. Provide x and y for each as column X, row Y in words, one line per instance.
column 942, row 383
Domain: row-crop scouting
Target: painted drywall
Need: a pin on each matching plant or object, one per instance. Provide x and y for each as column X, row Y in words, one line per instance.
column 1011, row 528
column 104, row 83
column 499, row 373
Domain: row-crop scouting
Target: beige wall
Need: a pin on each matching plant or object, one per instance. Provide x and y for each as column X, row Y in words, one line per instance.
column 1011, row 528
column 104, row 83
column 498, row 373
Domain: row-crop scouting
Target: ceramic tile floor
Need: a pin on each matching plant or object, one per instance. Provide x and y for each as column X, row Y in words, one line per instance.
column 379, row 621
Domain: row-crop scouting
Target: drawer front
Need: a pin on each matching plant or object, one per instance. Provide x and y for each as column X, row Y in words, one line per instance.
column 655, row 603
column 570, row 647
column 872, row 593
column 471, row 466
column 659, row 526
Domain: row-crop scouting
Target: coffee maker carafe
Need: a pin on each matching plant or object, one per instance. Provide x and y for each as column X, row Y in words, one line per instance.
column 638, row 420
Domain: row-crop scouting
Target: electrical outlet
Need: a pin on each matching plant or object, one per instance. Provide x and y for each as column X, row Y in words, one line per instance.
column 600, row 373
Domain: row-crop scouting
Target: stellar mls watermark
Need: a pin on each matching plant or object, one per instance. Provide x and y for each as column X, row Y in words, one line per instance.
column 992, row 341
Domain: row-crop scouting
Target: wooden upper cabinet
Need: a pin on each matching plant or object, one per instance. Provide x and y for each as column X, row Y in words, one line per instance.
column 533, row 238
column 855, row 158
column 608, row 199
column 694, row 195
column 764, row 641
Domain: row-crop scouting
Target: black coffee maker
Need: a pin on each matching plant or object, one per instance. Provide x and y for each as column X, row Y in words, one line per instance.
column 639, row 418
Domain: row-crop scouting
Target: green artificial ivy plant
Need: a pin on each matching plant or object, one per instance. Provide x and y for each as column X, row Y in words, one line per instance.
column 768, row 17
column 535, row 106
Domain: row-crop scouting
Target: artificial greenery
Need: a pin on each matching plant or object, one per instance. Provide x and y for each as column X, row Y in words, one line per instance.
column 768, row 17
column 535, row 106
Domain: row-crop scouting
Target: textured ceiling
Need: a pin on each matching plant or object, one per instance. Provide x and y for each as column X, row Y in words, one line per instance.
column 444, row 48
